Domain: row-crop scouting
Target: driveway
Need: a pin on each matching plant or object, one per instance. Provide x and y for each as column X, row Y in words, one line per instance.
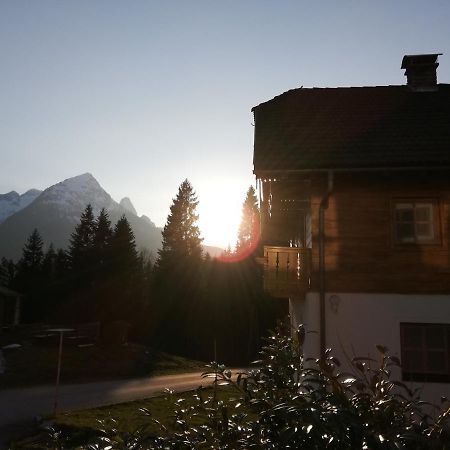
column 19, row 407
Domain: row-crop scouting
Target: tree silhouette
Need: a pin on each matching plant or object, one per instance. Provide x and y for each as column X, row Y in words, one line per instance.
column 8, row 272
column 49, row 264
column 81, row 243
column 178, row 274
column 123, row 247
column 61, row 263
column 181, row 235
column 29, row 275
column 102, row 243
column 32, row 253
column 249, row 229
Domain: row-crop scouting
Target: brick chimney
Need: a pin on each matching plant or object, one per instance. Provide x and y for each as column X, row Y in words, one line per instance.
column 420, row 71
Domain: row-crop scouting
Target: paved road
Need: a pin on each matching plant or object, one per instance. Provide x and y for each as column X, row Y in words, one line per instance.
column 19, row 407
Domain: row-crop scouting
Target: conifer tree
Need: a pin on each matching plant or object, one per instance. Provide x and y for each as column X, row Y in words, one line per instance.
column 32, row 253
column 102, row 240
column 61, row 263
column 178, row 275
column 29, row 276
column 49, row 263
column 81, row 242
column 248, row 234
column 102, row 230
column 181, row 235
column 123, row 247
column 8, row 272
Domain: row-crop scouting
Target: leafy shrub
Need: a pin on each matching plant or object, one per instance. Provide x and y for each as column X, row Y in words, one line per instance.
column 290, row 402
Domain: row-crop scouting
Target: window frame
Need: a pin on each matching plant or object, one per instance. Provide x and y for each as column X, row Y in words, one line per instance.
column 425, row 374
column 435, row 215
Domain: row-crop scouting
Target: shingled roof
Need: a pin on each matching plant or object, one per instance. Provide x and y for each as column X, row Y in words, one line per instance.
column 353, row 128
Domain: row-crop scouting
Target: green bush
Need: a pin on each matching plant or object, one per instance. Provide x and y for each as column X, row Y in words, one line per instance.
column 289, row 402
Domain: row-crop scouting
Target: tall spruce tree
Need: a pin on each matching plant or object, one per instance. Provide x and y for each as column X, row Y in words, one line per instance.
column 124, row 256
column 181, row 235
column 29, row 276
column 178, row 275
column 82, row 242
column 101, row 242
column 61, row 263
column 32, row 253
column 49, row 264
column 249, row 229
column 8, row 271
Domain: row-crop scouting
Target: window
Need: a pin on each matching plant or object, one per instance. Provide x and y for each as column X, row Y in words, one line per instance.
column 415, row 222
column 425, row 352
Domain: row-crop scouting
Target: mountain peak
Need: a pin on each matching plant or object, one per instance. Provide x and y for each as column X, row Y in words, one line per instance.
column 80, row 179
column 83, row 182
column 73, row 194
column 32, row 193
column 56, row 211
column 126, row 204
column 12, row 202
column 9, row 195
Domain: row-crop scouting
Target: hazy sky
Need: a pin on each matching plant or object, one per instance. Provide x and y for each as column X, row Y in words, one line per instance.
column 144, row 94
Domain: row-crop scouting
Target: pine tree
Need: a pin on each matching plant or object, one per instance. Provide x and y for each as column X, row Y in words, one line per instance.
column 181, row 235
column 249, row 229
column 8, row 272
column 123, row 247
column 178, row 275
column 102, row 230
column 29, row 276
column 49, row 264
column 32, row 253
column 61, row 263
column 102, row 240
column 82, row 241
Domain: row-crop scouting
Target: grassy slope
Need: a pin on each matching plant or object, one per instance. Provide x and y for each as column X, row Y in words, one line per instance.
column 125, row 417
column 34, row 365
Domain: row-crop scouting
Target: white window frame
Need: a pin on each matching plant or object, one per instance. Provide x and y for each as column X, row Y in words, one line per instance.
column 417, row 236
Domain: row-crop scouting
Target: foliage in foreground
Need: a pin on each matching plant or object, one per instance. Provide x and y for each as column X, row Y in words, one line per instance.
column 290, row 402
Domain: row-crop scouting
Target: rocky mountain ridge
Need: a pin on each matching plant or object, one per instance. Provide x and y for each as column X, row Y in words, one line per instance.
column 56, row 210
column 12, row 202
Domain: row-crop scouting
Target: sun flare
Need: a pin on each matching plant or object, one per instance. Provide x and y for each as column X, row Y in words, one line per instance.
column 219, row 218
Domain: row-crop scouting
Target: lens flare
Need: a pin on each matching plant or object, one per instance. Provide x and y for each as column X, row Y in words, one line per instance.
column 244, row 251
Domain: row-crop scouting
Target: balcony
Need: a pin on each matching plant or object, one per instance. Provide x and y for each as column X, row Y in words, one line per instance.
column 286, row 271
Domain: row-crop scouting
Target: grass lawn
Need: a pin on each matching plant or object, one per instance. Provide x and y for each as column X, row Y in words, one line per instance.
column 125, row 417
column 34, row 364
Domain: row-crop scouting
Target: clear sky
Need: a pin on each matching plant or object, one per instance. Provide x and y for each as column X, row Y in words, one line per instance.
column 144, row 94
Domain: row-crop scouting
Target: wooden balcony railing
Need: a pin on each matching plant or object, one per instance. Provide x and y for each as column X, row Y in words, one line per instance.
column 286, row 270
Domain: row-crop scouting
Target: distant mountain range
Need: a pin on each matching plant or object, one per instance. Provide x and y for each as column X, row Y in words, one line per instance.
column 56, row 211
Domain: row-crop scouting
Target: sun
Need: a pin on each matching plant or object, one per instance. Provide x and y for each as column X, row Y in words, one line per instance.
column 219, row 217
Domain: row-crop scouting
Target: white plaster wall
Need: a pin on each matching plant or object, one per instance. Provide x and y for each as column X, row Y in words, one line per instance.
column 356, row 323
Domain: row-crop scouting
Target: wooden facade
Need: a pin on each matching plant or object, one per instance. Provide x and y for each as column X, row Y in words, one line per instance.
column 361, row 252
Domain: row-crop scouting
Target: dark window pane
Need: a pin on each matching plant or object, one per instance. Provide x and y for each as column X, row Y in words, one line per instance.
column 424, row 230
column 405, row 215
column 405, row 232
column 423, row 212
column 436, row 362
column 412, row 336
column 413, row 361
column 435, row 337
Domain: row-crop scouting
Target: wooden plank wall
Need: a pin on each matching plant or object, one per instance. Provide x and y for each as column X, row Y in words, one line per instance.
column 361, row 253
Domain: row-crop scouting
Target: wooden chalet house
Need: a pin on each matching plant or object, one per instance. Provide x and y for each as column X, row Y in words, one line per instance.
column 355, row 200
